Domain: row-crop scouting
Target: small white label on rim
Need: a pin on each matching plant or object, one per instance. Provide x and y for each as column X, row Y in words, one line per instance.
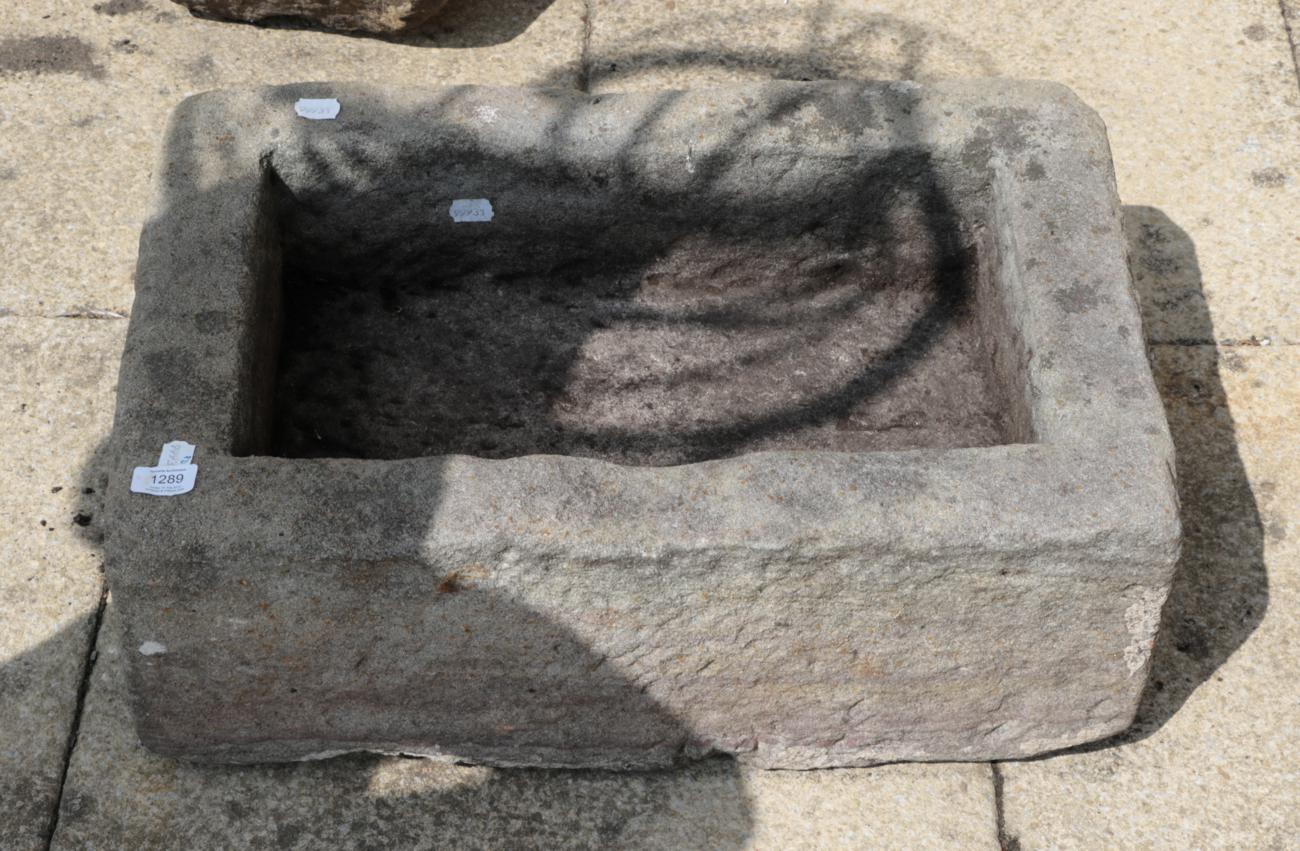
column 153, row 648
column 317, row 109
column 176, row 452
column 172, row 480
column 471, row 210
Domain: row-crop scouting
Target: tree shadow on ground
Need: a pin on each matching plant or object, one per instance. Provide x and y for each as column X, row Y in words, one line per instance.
column 821, row 41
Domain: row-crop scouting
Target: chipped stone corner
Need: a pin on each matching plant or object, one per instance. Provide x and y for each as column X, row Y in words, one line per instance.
column 1142, row 618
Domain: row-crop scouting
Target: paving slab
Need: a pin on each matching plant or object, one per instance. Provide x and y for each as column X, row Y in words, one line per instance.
column 119, row 795
column 1202, row 107
column 85, row 95
column 56, row 400
column 1213, row 760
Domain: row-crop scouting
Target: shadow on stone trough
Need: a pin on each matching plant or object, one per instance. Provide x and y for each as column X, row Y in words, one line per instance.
column 596, row 289
column 457, row 649
column 119, row 793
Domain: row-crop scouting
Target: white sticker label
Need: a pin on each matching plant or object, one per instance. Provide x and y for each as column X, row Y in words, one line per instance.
column 153, row 648
column 317, row 109
column 471, row 210
column 176, row 452
column 172, row 480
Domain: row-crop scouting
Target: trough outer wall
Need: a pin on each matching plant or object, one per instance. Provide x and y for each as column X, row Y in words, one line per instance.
column 797, row 610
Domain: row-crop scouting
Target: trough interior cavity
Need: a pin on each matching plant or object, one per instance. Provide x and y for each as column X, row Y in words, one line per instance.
column 593, row 318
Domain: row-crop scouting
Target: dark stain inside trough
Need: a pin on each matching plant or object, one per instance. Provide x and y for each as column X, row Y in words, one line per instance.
column 653, row 338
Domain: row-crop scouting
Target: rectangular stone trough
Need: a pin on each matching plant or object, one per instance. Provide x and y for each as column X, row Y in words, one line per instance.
column 809, row 423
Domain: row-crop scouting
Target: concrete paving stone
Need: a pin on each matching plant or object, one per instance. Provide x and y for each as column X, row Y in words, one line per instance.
column 119, row 795
column 1214, row 761
column 1200, row 99
column 56, row 400
column 85, row 96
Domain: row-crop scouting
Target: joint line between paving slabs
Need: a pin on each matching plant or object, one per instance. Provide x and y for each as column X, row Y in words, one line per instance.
column 87, row 669
column 1251, row 343
column 1290, row 40
column 1006, row 842
column 79, row 312
column 584, row 57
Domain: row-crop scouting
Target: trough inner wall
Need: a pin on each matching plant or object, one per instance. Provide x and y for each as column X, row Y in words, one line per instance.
column 849, row 306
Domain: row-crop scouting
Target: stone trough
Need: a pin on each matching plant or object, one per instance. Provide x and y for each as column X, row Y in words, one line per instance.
column 809, row 423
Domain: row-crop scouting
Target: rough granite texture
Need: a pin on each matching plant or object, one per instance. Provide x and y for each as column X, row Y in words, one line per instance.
column 796, row 608
column 384, row 17
column 119, row 795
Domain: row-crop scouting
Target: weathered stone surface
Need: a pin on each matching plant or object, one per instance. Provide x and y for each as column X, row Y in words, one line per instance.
column 986, row 597
column 372, row 16
column 119, row 795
